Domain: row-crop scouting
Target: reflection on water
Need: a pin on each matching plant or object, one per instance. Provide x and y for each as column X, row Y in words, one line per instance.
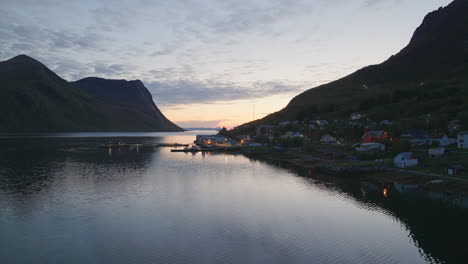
column 63, row 200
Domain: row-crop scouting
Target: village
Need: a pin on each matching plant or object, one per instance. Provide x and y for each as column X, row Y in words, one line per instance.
column 355, row 143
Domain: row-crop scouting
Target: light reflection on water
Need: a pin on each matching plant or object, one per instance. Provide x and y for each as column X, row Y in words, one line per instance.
column 63, row 200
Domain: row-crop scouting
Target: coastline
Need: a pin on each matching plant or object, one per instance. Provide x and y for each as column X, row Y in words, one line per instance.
column 383, row 174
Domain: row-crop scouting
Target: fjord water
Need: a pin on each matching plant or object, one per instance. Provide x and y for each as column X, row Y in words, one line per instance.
column 64, row 200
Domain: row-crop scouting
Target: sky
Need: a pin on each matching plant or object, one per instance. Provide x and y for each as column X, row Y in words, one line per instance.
column 211, row 63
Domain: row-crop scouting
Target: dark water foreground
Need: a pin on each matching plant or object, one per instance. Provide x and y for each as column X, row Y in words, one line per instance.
column 62, row 200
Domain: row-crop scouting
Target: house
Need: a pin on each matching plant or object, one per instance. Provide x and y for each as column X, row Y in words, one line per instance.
column 264, row 130
column 212, row 140
column 462, row 141
column 357, row 116
column 229, row 143
column 405, row 159
column 443, row 140
column 287, row 135
column 298, row 135
column 370, row 147
column 374, row 136
column 327, row 139
column 319, row 123
column 455, row 170
column 244, row 139
column 436, row 152
column 291, row 135
column 416, row 137
column 199, row 139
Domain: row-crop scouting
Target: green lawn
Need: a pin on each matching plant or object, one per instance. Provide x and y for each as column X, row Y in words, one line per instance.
column 439, row 165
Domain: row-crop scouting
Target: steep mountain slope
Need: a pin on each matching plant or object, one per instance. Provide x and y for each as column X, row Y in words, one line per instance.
column 132, row 97
column 428, row 76
column 35, row 99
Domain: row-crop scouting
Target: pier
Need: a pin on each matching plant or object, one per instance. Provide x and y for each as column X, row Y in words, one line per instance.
column 197, row 150
column 137, row 145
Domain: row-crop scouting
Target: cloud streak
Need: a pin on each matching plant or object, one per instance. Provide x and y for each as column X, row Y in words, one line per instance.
column 193, row 92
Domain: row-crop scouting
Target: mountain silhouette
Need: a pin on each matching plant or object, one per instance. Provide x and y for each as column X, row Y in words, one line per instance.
column 35, row 99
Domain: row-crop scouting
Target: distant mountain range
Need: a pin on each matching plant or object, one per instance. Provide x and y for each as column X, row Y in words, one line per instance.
column 204, row 128
column 427, row 77
column 35, row 99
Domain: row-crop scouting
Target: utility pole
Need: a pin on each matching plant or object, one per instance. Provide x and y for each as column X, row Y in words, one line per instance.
column 253, row 113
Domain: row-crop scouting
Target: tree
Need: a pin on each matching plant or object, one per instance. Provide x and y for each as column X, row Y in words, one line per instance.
column 223, row 132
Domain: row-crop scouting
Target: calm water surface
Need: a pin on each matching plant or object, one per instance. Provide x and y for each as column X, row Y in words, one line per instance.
column 63, row 200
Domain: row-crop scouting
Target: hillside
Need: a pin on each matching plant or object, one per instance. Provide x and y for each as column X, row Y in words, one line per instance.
column 130, row 97
column 428, row 76
column 35, row 99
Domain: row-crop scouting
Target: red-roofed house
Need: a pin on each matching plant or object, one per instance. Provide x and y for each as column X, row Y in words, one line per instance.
column 374, row 136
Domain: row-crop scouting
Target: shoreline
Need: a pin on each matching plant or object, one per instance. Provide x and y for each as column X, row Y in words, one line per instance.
column 384, row 174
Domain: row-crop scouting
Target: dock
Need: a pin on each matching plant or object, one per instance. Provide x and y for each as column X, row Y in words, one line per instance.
column 137, row 145
column 186, row 150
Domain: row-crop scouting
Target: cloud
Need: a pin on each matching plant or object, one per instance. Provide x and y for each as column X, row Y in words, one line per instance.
column 109, row 19
column 197, row 123
column 376, row 3
column 257, row 14
column 105, row 69
column 22, row 47
column 162, row 52
column 208, row 91
column 45, row 42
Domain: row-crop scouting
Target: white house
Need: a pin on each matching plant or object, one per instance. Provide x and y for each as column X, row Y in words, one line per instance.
column 405, row 159
column 443, row 140
column 385, row 122
column 462, row 141
column 328, row 139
